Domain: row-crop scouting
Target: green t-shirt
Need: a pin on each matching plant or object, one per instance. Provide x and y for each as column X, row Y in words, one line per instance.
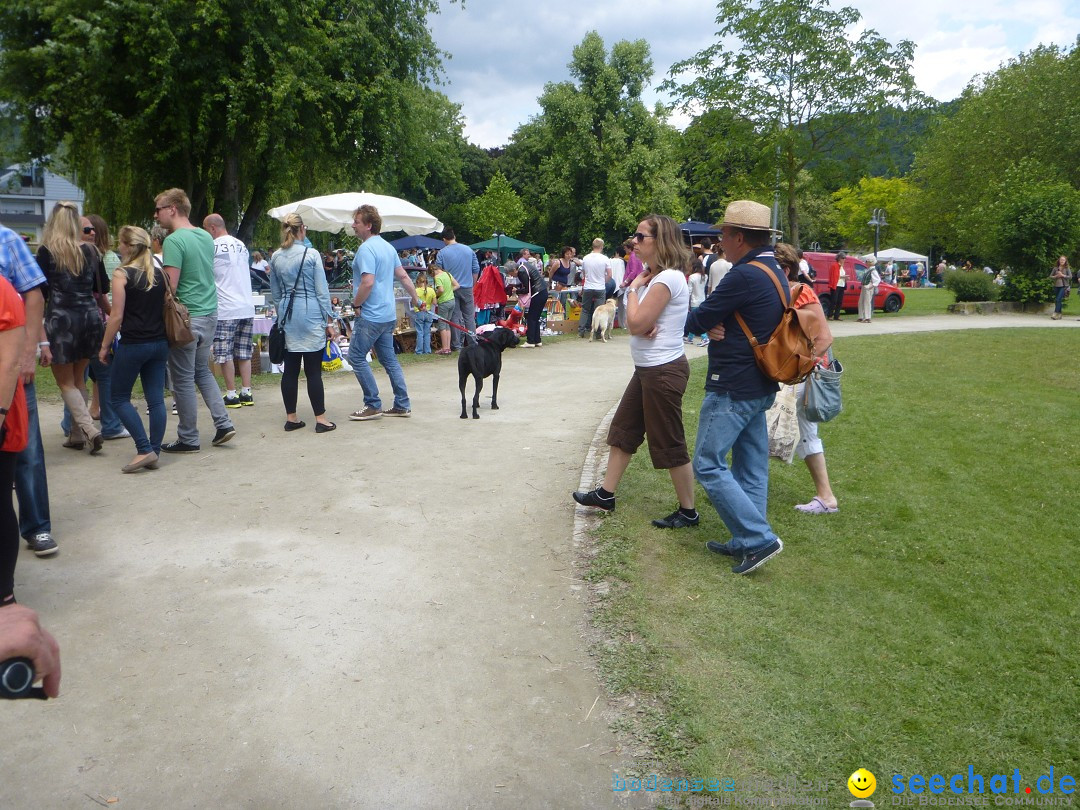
column 444, row 287
column 192, row 250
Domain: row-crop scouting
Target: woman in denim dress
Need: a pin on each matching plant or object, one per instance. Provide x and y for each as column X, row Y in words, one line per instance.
column 297, row 280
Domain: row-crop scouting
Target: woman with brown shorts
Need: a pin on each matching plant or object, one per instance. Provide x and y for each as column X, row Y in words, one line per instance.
column 657, row 302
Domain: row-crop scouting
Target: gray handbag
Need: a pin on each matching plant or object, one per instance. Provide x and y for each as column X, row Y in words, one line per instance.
column 821, row 396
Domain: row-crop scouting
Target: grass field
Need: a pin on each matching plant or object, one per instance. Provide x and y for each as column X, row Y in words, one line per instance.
column 929, row 625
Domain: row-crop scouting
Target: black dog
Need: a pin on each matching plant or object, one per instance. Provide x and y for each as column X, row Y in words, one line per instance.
column 483, row 359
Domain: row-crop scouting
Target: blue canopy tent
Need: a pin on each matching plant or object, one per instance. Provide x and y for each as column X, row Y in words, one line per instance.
column 694, row 228
column 421, row 242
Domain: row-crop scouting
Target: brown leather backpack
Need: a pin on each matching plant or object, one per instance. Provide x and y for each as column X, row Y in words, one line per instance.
column 789, row 355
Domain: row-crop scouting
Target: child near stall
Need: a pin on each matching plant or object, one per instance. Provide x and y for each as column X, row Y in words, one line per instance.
column 425, row 315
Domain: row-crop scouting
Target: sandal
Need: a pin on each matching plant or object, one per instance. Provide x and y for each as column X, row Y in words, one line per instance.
column 816, row 507
column 295, row 425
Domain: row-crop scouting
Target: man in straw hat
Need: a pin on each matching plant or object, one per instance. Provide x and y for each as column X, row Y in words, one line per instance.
column 737, row 394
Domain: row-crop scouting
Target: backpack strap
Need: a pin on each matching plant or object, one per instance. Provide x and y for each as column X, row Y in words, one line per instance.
column 786, row 299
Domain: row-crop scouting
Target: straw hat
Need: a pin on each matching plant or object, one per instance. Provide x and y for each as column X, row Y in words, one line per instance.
column 747, row 214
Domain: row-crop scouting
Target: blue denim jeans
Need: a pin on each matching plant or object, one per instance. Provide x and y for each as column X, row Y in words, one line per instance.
column 379, row 337
column 110, row 421
column 31, row 484
column 1059, row 298
column 423, row 331
column 739, row 493
column 147, row 360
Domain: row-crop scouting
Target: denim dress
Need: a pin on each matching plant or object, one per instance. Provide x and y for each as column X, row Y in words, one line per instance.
column 305, row 331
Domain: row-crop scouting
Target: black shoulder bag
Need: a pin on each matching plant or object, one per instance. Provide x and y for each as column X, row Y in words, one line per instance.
column 275, row 343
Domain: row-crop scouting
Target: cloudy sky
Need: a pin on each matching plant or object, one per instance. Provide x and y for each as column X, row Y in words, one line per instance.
column 502, row 53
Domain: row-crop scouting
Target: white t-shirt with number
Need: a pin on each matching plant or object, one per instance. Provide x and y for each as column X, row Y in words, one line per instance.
column 667, row 346
column 233, row 279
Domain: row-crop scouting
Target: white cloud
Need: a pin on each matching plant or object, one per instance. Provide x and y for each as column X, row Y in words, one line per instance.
column 504, row 53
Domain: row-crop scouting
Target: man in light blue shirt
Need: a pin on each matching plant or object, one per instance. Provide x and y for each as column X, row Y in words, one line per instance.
column 18, row 266
column 375, row 267
column 460, row 262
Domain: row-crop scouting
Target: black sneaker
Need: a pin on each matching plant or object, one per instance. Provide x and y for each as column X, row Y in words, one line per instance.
column 720, row 548
column 231, row 402
column 223, row 435
column 677, row 520
column 180, row 447
column 752, row 562
column 594, row 498
column 247, row 399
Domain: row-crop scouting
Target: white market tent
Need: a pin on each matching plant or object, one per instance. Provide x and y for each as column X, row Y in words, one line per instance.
column 898, row 255
column 334, row 213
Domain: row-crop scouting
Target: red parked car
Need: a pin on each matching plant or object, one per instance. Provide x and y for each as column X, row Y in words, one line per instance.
column 889, row 297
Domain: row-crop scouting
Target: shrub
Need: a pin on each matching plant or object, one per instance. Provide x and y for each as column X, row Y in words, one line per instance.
column 1027, row 287
column 971, row 286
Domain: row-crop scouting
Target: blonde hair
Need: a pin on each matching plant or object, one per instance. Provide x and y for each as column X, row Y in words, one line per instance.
column 671, row 253
column 290, row 230
column 177, row 197
column 61, row 238
column 141, row 259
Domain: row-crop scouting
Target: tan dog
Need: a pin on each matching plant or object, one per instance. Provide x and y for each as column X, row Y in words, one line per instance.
column 602, row 319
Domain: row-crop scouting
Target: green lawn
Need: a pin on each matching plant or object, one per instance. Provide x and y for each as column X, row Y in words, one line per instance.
column 928, row 301
column 929, row 625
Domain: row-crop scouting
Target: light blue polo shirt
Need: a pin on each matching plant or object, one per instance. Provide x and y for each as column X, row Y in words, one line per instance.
column 378, row 258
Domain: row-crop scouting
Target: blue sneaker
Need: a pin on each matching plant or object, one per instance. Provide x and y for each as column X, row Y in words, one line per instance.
column 754, row 560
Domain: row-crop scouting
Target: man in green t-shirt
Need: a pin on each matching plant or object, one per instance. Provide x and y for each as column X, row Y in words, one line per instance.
column 188, row 256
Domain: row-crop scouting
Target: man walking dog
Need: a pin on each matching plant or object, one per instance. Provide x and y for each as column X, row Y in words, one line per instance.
column 375, row 267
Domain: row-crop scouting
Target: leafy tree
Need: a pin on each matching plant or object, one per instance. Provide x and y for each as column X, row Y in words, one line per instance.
column 809, row 88
column 1027, row 110
column 596, row 158
column 242, row 103
column 722, row 159
column 499, row 208
column 855, row 205
column 1036, row 219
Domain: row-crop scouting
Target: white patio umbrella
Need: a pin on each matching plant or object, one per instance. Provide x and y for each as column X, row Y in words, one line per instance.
column 334, row 213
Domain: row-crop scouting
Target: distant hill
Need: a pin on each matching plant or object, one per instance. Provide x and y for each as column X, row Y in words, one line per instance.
column 899, row 133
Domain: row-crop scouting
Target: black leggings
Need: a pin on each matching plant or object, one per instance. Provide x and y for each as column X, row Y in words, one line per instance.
column 290, row 380
column 532, row 317
column 9, row 530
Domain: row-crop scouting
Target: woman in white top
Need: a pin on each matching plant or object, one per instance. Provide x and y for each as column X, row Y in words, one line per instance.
column 657, row 302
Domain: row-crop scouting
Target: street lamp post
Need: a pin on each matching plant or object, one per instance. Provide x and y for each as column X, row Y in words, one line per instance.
column 877, row 222
column 497, row 236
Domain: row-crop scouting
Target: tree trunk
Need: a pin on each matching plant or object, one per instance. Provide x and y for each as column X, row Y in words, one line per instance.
column 246, row 230
column 227, row 202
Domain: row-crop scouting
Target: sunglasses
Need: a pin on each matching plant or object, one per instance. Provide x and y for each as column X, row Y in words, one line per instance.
column 161, row 208
column 641, row 237
column 88, row 229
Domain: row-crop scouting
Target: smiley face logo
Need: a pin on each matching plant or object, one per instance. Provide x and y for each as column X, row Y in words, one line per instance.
column 862, row 784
